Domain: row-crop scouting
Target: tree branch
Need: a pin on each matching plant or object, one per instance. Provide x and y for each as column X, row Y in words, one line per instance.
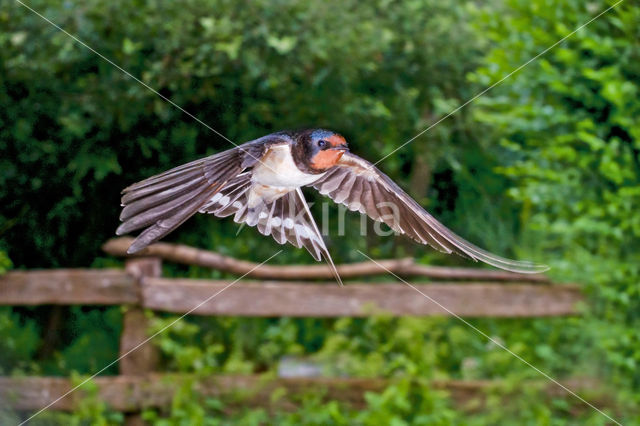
column 179, row 253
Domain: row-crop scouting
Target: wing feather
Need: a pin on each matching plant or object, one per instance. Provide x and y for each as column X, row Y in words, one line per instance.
column 163, row 202
column 359, row 185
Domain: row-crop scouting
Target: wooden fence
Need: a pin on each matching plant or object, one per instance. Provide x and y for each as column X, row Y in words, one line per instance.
column 484, row 293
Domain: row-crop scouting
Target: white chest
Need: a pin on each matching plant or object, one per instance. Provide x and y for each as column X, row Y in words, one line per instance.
column 277, row 168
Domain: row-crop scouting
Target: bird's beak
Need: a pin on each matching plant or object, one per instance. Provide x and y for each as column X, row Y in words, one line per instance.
column 343, row 148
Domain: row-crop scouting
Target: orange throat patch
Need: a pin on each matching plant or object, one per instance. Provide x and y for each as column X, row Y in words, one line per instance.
column 326, row 159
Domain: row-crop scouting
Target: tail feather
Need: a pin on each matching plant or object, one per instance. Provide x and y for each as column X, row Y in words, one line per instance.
column 322, row 246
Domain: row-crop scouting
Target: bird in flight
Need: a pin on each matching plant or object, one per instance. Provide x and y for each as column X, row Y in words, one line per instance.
column 259, row 183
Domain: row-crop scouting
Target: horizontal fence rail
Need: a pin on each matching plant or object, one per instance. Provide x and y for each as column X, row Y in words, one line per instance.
column 297, row 299
column 68, row 287
column 130, row 393
column 275, row 299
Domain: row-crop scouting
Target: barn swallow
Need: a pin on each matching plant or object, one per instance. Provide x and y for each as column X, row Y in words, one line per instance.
column 259, row 182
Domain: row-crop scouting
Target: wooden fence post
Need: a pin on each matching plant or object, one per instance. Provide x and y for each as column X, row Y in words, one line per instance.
column 135, row 326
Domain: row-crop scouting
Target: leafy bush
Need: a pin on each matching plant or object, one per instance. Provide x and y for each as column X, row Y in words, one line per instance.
column 74, row 130
column 568, row 125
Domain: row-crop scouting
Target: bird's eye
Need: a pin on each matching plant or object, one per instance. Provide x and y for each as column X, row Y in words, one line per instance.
column 322, row 143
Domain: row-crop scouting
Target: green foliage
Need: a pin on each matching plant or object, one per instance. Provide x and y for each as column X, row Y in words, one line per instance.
column 92, row 342
column 20, row 339
column 5, row 262
column 561, row 134
column 567, row 123
column 419, row 351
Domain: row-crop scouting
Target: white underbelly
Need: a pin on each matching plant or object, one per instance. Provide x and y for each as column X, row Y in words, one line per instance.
column 277, row 168
column 276, row 175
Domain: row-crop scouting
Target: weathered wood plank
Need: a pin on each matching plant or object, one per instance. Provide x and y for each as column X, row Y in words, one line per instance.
column 134, row 393
column 404, row 267
column 68, row 287
column 273, row 299
column 138, row 356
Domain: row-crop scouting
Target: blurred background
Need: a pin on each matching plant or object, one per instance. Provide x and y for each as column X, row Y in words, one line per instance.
column 543, row 167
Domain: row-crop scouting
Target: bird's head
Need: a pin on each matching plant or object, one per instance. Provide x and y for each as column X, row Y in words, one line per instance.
column 318, row 150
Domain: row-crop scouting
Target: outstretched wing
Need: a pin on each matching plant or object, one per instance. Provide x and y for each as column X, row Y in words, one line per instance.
column 286, row 219
column 163, row 202
column 359, row 185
